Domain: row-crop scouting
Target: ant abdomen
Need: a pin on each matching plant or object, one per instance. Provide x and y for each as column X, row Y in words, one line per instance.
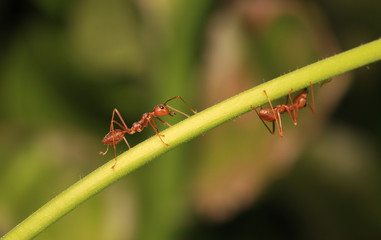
column 113, row 137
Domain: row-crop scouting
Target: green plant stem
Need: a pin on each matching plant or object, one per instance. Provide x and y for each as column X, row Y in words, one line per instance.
column 188, row 129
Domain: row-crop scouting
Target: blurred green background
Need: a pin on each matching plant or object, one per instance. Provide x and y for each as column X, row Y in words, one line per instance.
column 64, row 66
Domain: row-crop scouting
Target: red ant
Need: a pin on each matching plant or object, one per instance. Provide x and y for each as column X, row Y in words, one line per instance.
column 116, row 136
column 273, row 114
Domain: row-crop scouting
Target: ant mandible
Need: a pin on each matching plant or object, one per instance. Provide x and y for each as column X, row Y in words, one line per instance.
column 115, row 136
column 273, row 114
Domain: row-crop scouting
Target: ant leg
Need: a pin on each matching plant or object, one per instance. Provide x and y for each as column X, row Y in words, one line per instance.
column 120, row 117
column 117, row 123
column 125, row 140
column 104, row 153
column 124, row 126
column 289, row 96
column 112, row 130
column 129, row 147
column 113, row 143
column 153, row 125
column 313, row 100
column 164, row 122
column 290, row 114
column 294, row 119
column 296, row 109
column 272, row 132
column 172, row 108
column 280, row 124
column 183, row 102
column 279, row 129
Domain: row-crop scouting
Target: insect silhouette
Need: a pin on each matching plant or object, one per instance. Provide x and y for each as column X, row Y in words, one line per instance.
column 115, row 136
column 274, row 114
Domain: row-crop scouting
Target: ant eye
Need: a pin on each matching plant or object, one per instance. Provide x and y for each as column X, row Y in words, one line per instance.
column 161, row 107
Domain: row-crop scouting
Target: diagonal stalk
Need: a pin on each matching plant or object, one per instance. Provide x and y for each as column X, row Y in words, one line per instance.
column 188, row 129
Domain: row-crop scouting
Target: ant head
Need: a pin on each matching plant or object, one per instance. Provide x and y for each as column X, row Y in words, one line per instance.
column 162, row 110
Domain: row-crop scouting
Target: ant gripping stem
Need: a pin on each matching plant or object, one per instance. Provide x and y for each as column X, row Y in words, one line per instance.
column 274, row 114
column 300, row 101
column 115, row 136
column 279, row 124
